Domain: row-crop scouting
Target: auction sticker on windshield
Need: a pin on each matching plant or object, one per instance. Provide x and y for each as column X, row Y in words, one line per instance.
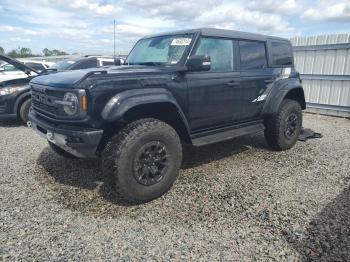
column 181, row 41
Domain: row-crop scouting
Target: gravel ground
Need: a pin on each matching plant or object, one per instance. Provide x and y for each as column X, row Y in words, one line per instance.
column 235, row 200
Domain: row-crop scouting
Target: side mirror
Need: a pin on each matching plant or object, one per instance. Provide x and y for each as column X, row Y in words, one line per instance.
column 2, row 69
column 198, row 63
column 118, row 61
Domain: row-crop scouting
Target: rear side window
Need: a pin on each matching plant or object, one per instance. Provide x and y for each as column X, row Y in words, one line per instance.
column 281, row 53
column 107, row 63
column 36, row 66
column 85, row 64
column 220, row 52
column 253, row 54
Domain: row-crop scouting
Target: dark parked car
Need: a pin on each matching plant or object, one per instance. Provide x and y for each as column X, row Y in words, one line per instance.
column 14, row 89
column 15, row 94
column 195, row 86
column 83, row 63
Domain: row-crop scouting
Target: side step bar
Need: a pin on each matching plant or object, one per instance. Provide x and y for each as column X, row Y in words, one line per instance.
column 214, row 136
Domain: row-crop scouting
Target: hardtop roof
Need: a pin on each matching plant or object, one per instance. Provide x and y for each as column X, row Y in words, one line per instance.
column 222, row 33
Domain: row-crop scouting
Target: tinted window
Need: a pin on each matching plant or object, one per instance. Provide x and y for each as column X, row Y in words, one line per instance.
column 36, row 66
column 253, row 54
column 220, row 52
column 281, row 53
column 63, row 65
column 85, row 64
column 107, row 63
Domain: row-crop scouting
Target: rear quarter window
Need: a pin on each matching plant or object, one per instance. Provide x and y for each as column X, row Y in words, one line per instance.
column 282, row 53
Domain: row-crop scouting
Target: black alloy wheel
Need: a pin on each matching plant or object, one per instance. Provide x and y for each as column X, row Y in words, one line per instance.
column 151, row 163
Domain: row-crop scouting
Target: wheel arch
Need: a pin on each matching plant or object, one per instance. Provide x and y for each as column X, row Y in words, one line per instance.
column 20, row 100
column 276, row 97
column 155, row 103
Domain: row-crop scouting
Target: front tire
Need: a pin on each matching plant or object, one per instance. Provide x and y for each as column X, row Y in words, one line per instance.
column 24, row 111
column 143, row 159
column 283, row 128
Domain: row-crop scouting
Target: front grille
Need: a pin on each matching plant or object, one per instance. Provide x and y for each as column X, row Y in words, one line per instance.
column 44, row 108
column 43, row 102
column 46, row 101
column 2, row 109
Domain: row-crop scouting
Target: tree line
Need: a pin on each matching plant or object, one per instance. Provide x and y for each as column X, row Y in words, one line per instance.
column 23, row 52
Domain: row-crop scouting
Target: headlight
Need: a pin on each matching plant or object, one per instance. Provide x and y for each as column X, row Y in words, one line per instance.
column 70, row 104
column 10, row 90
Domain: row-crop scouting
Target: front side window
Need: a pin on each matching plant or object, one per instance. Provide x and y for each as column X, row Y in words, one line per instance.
column 220, row 52
column 253, row 55
column 281, row 53
column 159, row 50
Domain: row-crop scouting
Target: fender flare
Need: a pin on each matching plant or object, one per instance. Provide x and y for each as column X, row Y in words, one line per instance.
column 276, row 97
column 120, row 103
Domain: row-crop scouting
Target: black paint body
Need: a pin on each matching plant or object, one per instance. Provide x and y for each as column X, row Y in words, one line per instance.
column 202, row 102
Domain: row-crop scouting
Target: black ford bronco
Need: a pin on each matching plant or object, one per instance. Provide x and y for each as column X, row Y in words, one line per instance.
column 195, row 86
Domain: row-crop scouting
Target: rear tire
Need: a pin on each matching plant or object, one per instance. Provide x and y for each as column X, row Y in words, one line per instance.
column 61, row 152
column 24, row 110
column 143, row 160
column 283, row 128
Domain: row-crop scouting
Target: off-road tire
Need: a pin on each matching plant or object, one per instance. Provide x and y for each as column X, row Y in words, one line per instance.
column 61, row 152
column 120, row 154
column 275, row 126
column 24, row 110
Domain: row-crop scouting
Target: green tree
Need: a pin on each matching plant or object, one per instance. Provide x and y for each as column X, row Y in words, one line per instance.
column 21, row 52
column 58, row 52
column 25, row 52
column 2, row 51
column 47, row 52
column 54, row 52
column 13, row 54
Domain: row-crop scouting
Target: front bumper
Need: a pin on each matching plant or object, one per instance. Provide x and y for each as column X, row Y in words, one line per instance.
column 6, row 110
column 78, row 141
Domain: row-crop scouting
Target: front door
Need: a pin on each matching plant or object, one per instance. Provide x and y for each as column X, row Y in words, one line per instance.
column 212, row 94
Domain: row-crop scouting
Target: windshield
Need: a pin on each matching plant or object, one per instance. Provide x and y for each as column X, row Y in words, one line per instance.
column 160, row 50
column 62, row 65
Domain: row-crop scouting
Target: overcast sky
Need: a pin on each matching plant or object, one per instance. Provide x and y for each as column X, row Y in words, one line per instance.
column 86, row 26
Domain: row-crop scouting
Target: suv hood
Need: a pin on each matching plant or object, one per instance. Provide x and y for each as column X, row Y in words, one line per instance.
column 17, row 64
column 69, row 79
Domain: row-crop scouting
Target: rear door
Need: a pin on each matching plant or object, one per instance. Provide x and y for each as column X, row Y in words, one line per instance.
column 256, row 77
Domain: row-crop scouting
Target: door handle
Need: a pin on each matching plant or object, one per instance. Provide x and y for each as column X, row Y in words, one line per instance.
column 269, row 81
column 233, row 83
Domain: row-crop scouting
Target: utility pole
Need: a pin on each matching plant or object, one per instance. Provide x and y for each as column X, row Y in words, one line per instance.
column 114, row 40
